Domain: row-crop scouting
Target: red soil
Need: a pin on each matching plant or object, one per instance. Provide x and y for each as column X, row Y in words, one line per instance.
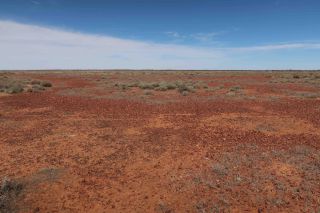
column 94, row 153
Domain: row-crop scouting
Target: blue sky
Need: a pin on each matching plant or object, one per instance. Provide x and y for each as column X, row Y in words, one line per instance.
column 160, row 34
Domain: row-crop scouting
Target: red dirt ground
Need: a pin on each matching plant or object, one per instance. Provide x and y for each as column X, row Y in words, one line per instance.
column 85, row 145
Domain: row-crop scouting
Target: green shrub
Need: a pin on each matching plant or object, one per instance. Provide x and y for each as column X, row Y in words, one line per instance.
column 161, row 88
column 171, row 86
column 183, row 87
column 146, row 86
column 16, row 88
column 155, row 84
column 36, row 88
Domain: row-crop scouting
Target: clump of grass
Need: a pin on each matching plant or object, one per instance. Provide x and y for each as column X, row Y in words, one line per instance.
column 185, row 93
column 220, row 169
column 15, row 88
column 169, row 86
column 235, row 88
column 155, row 85
column 163, row 208
column 146, row 86
column 46, row 84
column 36, row 88
column 124, row 86
column 308, row 95
column 183, row 87
column 213, row 89
column 135, row 84
column 161, row 88
column 37, row 82
column 8, row 192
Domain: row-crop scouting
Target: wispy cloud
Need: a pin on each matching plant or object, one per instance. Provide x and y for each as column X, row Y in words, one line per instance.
column 25, row 46
column 200, row 37
column 174, row 34
column 274, row 47
column 206, row 37
column 35, row 2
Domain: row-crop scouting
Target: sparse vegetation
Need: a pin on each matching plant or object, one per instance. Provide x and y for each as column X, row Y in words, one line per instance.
column 235, row 88
column 36, row 88
column 12, row 85
column 219, row 169
column 15, row 88
column 296, row 77
column 163, row 208
column 183, row 88
column 209, row 151
column 33, row 82
column 8, row 193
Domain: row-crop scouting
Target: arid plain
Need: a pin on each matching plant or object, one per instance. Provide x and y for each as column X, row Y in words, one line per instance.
column 160, row 141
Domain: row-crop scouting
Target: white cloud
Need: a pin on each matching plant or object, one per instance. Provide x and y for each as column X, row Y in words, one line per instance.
column 25, row 46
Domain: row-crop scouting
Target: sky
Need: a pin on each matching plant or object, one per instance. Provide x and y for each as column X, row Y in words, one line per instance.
column 159, row 34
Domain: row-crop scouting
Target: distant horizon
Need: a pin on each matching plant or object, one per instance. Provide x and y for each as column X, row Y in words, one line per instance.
column 169, row 70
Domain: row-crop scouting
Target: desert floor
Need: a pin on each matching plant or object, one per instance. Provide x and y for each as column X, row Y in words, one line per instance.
column 164, row 141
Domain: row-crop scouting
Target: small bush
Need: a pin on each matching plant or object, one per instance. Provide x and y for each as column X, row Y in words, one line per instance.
column 161, row 88
column 124, row 86
column 212, row 89
column 8, row 192
column 219, row 169
column 36, row 88
column 235, row 88
column 155, row 84
column 46, row 84
column 17, row 88
column 146, row 86
column 135, row 84
column 185, row 93
column 33, row 82
column 171, row 86
column 183, row 87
